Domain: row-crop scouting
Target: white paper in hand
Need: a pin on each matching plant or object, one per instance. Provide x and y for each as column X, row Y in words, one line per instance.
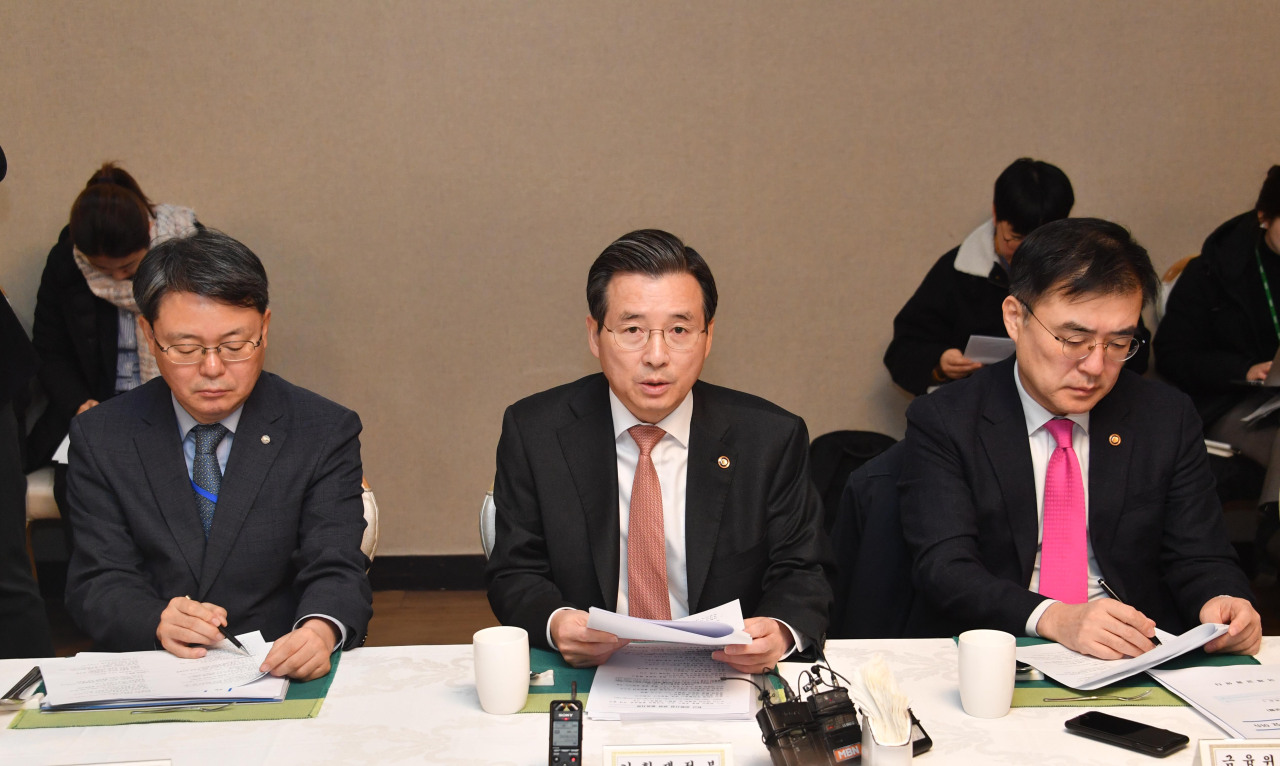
column 719, row 626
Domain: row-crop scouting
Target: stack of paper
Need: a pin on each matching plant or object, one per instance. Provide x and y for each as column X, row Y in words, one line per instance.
column 664, row 681
column 1242, row 700
column 674, row 679
column 99, row 680
column 1080, row 671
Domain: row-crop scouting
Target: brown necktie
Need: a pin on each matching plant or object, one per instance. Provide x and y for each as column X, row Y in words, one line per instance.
column 646, row 539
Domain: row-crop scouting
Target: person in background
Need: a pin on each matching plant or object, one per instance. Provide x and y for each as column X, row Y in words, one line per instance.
column 86, row 322
column 962, row 294
column 1221, row 328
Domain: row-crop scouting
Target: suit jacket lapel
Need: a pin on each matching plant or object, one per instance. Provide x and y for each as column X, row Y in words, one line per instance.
column 247, row 467
column 1003, row 431
column 1108, row 469
column 707, row 485
column 160, row 451
column 590, row 452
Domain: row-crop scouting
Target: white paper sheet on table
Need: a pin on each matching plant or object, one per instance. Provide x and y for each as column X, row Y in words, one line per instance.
column 989, row 349
column 718, row 626
column 669, row 682
column 133, row 679
column 1242, row 700
column 1085, row 673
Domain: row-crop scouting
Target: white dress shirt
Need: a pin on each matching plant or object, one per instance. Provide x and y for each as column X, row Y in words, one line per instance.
column 1042, row 445
column 671, row 461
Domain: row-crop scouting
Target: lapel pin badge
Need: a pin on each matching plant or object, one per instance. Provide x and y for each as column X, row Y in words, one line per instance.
column 1115, row 440
column 723, row 462
column 267, row 439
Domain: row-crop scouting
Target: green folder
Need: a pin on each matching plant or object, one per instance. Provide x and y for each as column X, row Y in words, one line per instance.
column 303, row 700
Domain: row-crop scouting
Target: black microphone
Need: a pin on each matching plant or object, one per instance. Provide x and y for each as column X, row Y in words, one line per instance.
column 4, row 165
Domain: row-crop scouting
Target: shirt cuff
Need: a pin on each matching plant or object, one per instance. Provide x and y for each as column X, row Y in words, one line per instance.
column 800, row 643
column 1034, row 619
column 342, row 629
column 550, row 642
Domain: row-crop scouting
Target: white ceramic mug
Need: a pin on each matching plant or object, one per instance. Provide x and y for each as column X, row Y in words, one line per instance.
column 501, row 658
column 987, row 662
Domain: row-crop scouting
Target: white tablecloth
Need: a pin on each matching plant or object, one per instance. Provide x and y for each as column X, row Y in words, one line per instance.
column 417, row 704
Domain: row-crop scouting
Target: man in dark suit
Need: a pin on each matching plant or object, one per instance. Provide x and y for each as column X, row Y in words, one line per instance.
column 993, row 488
column 216, row 492
column 581, row 468
column 24, row 627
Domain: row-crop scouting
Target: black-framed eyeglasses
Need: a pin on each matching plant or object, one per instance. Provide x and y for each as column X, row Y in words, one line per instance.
column 1077, row 347
column 193, row 353
column 678, row 337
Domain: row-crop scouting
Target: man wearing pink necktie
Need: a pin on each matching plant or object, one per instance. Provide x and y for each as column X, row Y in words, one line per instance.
column 646, row 491
column 1036, row 478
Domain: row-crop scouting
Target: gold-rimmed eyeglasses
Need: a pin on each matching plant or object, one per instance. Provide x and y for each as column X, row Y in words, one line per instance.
column 193, row 353
column 1077, row 347
column 678, row 337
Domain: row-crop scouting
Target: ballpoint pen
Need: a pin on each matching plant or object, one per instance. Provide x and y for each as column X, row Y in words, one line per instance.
column 1112, row 594
column 225, row 630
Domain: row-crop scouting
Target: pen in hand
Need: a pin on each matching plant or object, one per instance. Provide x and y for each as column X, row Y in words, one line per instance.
column 225, row 630
column 1112, row 594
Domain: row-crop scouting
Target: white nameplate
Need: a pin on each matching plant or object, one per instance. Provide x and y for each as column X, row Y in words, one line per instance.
column 668, row 755
column 1239, row 752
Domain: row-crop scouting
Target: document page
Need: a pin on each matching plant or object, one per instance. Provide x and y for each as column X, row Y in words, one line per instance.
column 1242, row 700
column 718, row 626
column 1086, row 673
column 989, row 349
column 140, row 677
column 669, row 681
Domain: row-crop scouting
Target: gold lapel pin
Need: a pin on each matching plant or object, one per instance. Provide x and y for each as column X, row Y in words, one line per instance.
column 723, row 462
column 1115, row 439
column 267, row 439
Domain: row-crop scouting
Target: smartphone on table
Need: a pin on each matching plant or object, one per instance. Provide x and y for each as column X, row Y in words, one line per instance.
column 1133, row 735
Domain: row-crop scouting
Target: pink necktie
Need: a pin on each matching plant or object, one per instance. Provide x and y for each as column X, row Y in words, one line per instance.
column 1063, row 566
column 646, row 538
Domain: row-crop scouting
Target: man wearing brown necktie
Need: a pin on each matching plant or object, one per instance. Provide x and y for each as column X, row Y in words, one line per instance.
column 647, row 492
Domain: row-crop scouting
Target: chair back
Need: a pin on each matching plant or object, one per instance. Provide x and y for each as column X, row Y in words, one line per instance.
column 369, row 543
column 873, row 591
column 833, row 456
column 488, row 512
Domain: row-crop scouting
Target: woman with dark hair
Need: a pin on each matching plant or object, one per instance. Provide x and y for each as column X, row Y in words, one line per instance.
column 1222, row 328
column 86, row 322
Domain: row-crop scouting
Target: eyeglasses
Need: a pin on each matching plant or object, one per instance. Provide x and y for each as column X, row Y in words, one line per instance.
column 193, row 353
column 1077, row 347
column 678, row 337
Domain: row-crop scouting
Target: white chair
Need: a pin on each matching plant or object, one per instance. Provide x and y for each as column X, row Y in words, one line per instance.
column 488, row 511
column 41, row 505
column 369, row 543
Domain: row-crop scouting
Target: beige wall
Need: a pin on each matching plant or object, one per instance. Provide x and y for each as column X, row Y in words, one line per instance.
column 427, row 182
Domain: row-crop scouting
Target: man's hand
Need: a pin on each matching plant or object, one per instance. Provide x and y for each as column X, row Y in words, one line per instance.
column 91, row 403
column 582, row 647
column 303, row 654
column 1259, row 371
column 955, row 365
column 769, row 641
column 187, row 626
column 1105, row 628
column 1244, row 626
